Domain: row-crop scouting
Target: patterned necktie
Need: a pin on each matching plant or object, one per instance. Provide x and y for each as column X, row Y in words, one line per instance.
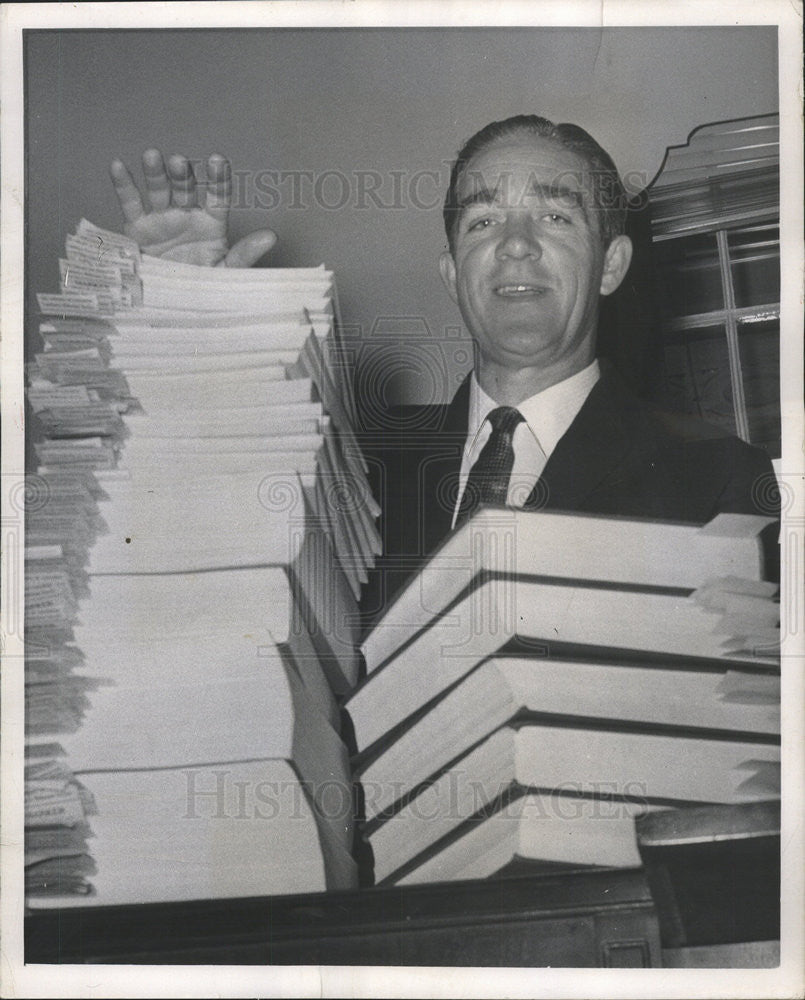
column 488, row 481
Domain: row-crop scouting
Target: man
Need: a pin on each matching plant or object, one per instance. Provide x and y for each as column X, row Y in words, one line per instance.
column 535, row 217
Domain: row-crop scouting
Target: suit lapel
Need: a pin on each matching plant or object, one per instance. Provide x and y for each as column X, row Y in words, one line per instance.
column 440, row 467
column 597, row 442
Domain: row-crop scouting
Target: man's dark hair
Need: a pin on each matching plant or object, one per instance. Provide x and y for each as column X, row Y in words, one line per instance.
column 609, row 196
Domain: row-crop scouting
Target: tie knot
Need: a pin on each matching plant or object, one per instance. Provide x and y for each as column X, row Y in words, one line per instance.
column 504, row 419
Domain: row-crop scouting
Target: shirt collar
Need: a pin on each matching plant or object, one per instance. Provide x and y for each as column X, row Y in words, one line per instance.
column 548, row 413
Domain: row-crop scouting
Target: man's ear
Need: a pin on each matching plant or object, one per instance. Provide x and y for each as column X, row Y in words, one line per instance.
column 447, row 269
column 617, row 259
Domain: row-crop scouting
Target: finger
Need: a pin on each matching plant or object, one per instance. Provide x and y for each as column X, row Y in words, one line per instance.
column 131, row 203
column 183, row 182
column 156, row 180
column 246, row 252
column 219, row 188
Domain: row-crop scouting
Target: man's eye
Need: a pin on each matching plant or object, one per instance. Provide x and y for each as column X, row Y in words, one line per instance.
column 482, row 223
column 557, row 218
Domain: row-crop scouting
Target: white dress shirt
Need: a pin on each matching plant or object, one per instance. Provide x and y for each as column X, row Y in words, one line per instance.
column 547, row 416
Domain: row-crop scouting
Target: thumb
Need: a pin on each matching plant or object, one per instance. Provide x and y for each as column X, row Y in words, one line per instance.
column 246, row 252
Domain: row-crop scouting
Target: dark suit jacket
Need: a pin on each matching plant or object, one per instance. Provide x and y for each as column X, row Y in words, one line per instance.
column 618, row 457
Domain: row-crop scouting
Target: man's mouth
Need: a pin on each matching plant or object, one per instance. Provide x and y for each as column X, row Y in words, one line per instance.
column 520, row 291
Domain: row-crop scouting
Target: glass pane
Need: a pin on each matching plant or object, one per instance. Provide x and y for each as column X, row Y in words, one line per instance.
column 755, row 263
column 759, row 345
column 688, row 276
column 697, row 377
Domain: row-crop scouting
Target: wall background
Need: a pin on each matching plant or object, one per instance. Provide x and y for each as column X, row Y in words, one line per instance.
column 366, row 116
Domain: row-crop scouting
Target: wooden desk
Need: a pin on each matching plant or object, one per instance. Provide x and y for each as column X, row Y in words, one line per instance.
column 576, row 918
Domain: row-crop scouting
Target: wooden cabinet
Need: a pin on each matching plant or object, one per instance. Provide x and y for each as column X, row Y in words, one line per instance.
column 715, row 210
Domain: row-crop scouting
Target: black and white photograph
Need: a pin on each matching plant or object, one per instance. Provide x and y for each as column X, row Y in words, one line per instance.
column 403, row 499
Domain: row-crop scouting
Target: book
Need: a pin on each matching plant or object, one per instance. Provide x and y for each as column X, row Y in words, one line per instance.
column 534, row 826
column 542, row 617
column 220, row 657
column 202, row 833
column 569, row 546
column 503, row 689
column 249, row 386
column 265, row 717
column 215, row 521
column 646, row 767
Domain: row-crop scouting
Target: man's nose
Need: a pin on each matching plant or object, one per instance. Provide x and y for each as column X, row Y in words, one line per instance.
column 519, row 239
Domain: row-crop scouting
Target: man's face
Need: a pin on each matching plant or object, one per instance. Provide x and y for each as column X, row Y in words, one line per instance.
column 529, row 263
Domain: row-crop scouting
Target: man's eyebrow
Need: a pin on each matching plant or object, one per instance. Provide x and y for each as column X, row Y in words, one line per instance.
column 479, row 196
column 561, row 193
column 558, row 192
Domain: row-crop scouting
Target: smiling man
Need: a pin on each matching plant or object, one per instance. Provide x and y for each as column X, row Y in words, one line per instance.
column 535, row 229
column 530, row 253
column 535, row 216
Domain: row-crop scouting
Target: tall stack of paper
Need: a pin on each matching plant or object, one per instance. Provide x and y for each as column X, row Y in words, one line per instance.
column 547, row 677
column 200, row 529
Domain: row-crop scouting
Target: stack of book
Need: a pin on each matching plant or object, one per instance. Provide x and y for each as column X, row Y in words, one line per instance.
column 199, row 525
column 548, row 677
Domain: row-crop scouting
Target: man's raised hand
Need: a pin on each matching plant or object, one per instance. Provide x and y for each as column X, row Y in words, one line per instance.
column 181, row 222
